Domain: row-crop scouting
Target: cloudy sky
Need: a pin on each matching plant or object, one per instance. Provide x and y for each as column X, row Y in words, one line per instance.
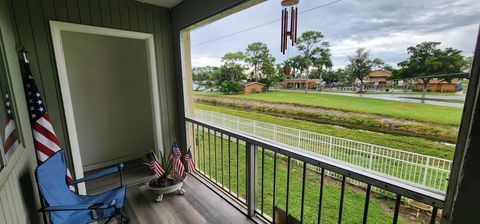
column 385, row 27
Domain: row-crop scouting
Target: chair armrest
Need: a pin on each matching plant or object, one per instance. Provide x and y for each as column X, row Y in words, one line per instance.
column 78, row 207
column 101, row 173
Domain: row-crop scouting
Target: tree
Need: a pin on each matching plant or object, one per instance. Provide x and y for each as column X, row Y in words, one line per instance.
column 360, row 65
column 426, row 61
column 314, row 49
column 230, row 86
column 378, row 63
column 298, row 65
column 201, row 75
column 258, row 56
column 231, row 70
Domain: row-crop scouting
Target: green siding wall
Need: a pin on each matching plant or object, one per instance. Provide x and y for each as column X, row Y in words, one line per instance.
column 31, row 19
column 18, row 193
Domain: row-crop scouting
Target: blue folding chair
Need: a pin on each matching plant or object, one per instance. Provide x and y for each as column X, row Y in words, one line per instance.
column 66, row 206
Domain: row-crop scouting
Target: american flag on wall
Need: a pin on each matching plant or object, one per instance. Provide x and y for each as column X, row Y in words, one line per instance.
column 11, row 139
column 177, row 162
column 189, row 160
column 46, row 142
column 155, row 166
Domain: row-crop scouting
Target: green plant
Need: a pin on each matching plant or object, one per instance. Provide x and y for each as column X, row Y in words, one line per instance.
column 167, row 165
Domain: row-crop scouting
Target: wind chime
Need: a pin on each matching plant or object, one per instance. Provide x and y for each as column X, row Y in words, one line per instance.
column 292, row 33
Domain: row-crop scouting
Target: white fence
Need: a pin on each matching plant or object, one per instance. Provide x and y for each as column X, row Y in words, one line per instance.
column 428, row 171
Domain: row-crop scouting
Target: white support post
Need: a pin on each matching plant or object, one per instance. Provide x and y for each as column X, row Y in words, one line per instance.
column 371, row 158
column 427, row 164
column 274, row 132
column 299, row 139
column 330, row 145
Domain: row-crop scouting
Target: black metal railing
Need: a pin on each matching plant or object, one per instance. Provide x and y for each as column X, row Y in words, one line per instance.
column 272, row 182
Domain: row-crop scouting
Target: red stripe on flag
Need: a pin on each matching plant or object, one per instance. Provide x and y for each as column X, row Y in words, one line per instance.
column 11, row 139
column 45, row 132
column 44, row 149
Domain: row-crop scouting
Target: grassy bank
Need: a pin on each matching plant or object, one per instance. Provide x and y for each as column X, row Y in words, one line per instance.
column 222, row 166
column 414, row 111
column 412, row 144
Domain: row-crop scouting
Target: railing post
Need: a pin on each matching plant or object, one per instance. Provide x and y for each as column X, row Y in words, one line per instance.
column 426, row 171
column 299, row 139
column 251, row 178
column 274, row 132
column 371, row 157
column 330, row 145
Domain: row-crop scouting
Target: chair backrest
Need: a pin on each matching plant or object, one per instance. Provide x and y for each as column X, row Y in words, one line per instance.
column 52, row 181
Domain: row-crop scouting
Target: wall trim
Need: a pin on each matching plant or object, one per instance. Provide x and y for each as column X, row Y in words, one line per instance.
column 56, row 28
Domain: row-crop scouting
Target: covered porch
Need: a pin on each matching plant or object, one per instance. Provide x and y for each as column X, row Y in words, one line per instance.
column 239, row 178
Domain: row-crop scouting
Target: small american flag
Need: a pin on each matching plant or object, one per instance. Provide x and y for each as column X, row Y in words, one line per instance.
column 155, row 166
column 189, row 160
column 46, row 142
column 177, row 162
column 11, row 139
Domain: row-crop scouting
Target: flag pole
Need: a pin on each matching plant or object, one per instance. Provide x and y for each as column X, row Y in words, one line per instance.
column 23, row 51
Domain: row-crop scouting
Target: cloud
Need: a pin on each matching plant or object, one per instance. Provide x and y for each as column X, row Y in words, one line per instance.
column 386, row 28
column 199, row 61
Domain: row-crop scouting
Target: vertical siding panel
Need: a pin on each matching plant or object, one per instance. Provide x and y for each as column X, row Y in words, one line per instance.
column 73, row 11
column 2, row 214
column 5, row 207
column 105, row 13
column 47, row 69
column 149, row 21
column 13, row 212
column 15, row 196
column 95, row 13
column 132, row 13
column 115, row 13
column 26, row 36
column 169, row 76
column 142, row 26
column 60, row 7
column 84, row 8
column 161, row 76
column 124, row 17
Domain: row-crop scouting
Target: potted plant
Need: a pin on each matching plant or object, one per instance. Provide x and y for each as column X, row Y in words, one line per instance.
column 167, row 179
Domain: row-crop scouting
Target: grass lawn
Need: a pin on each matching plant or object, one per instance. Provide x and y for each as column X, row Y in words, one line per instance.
column 415, row 111
column 412, row 144
column 218, row 164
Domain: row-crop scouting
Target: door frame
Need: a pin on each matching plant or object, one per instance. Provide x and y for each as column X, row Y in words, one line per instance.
column 56, row 29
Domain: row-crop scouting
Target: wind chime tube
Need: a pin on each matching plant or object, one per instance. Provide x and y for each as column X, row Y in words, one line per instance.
column 282, row 33
column 295, row 31
column 291, row 24
column 285, row 29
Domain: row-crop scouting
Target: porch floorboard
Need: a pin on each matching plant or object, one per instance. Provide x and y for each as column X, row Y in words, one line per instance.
column 198, row 205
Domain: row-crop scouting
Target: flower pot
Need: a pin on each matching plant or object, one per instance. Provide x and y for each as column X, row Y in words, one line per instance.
column 171, row 187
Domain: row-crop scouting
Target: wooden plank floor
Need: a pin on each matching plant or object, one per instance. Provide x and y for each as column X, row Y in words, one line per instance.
column 198, row 205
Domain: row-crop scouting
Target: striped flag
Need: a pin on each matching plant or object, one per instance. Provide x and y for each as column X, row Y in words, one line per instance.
column 155, row 166
column 189, row 160
column 177, row 162
column 11, row 140
column 46, row 142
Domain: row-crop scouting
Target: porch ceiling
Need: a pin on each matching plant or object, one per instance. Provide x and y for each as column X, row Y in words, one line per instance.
column 162, row 3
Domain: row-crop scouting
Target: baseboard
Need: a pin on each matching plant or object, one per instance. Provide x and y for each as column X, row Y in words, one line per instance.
column 112, row 162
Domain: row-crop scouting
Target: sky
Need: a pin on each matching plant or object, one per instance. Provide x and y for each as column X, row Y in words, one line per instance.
column 384, row 27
